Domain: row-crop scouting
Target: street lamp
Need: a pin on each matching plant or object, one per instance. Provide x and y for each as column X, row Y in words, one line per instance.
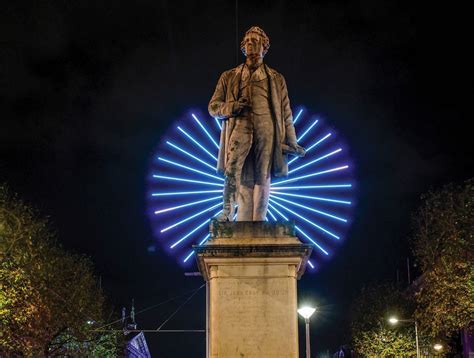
column 306, row 312
column 438, row 347
column 395, row 320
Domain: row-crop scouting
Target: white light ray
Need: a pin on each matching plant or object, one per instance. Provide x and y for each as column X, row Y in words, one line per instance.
column 197, row 143
column 310, row 209
column 205, row 239
column 305, row 219
column 300, row 138
column 311, row 175
column 189, row 168
column 329, row 186
column 271, row 214
column 312, row 197
column 312, row 241
column 191, row 155
column 187, row 192
column 312, row 146
column 205, row 130
column 188, row 204
column 189, row 233
column 189, row 256
column 278, row 212
column 218, row 123
column 315, row 160
column 299, row 230
column 297, row 116
column 186, row 180
column 200, row 243
column 310, row 264
column 190, row 217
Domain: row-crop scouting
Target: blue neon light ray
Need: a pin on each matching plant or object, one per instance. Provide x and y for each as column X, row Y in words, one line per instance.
column 185, row 189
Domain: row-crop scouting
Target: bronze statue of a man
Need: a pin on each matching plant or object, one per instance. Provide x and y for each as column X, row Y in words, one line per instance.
column 257, row 131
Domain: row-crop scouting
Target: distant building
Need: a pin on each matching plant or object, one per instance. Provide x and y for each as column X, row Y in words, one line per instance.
column 137, row 347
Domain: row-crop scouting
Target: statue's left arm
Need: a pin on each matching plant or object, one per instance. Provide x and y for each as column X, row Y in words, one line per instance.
column 287, row 115
column 290, row 139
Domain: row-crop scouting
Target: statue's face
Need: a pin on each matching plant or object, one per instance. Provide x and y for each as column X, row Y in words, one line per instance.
column 253, row 44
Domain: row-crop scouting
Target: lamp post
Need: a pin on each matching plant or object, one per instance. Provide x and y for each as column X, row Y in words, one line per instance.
column 306, row 312
column 395, row 320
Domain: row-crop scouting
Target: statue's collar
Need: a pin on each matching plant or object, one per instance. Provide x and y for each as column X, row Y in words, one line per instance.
column 257, row 75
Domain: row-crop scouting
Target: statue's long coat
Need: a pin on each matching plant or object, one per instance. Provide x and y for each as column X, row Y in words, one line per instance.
column 220, row 106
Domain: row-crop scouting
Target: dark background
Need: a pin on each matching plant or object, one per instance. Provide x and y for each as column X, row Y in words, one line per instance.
column 88, row 88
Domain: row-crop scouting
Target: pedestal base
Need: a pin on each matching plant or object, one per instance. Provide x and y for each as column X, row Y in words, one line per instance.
column 251, row 269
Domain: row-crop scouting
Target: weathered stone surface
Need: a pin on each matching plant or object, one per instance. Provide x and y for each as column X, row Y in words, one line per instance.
column 252, row 269
column 252, row 229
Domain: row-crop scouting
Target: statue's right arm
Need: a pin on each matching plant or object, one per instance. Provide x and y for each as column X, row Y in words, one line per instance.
column 218, row 107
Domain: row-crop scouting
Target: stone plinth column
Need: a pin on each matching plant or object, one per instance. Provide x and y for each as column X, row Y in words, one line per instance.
column 251, row 269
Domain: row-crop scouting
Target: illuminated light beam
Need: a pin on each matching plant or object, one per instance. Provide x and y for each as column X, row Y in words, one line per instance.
column 192, row 252
column 305, row 219
column 218, row 123
column 301, row 231
column 204, row 240
column 310, row 264
column 186, row 180
column 315, row 160
column 189, row 233
column 297, row 116
column 312, row 146
column 188, row 204
column 187, row 192
column 205, row 130
column 329, row 186
column 311, row 209
column 307, row 130
column 189, row 256
column 311, row 175
column 278, row 212
column 271, row 214
column 197, row 143
column 319, row 141
column 191, row 155
column 313, row 198
column 190, row 217
column 189, row 168
column 312, row 241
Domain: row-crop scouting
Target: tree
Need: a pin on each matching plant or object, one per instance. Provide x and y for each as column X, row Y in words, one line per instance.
column 444, row 249
column 48, row 296
column 372, row 336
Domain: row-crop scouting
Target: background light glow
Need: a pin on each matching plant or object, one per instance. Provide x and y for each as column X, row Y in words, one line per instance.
column 318, row 194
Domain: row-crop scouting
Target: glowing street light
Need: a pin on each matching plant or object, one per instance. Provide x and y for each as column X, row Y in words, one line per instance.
column 306, row 312
column 395, row 320
column 438, row 347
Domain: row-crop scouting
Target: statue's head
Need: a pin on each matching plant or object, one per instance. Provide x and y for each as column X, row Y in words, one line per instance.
column 255, row 42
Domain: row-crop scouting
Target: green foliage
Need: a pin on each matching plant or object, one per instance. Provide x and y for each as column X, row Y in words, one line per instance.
column 372, row 335
column 444, row 248
column 103, row 345
column 47, row 295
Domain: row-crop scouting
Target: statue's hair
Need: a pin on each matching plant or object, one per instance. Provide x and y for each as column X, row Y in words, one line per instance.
column 262, row 34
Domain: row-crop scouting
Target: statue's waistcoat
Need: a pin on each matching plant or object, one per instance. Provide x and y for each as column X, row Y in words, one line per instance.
column 228, row 90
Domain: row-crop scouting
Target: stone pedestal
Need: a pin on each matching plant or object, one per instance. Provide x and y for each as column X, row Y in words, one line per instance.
column 251, row 269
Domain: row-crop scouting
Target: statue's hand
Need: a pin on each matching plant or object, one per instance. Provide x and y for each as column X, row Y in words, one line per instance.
column 242, row 104
column 298, row 149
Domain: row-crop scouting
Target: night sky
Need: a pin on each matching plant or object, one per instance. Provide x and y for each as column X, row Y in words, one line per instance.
column 89, row 87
